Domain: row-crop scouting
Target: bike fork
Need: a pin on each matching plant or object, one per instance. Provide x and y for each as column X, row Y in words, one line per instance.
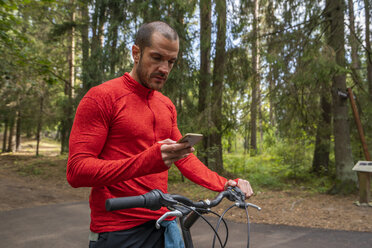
column 186, row 223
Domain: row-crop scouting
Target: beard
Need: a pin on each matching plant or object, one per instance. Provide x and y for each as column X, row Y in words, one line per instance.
column 141, row 74
column 145, row 80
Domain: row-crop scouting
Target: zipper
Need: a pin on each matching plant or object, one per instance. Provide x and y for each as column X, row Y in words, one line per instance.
column 153, row 115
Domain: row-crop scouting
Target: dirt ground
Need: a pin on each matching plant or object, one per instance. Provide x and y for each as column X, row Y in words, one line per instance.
column 35, row 185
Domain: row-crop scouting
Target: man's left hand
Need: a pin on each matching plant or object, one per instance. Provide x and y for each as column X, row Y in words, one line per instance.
column 243, row 185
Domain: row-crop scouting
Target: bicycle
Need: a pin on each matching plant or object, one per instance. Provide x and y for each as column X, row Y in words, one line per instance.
column 186, row 210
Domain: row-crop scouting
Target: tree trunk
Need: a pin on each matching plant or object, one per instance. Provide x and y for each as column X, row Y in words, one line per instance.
column 355, row 62
column 246, row 137
column 71, row 60
column 260, row 117
column 39, row 125
column 96, row 72
column 272, row 80
column 218, row 78
column 115, row 8
column 229, row 144
column 182, row 66
column 5, row 134
column 323, row 135
column 69, row 92
column 272, row 75
column 352, row 39
column 255, row 81
column 205, row 73
column 10, row 147
column 85, row 48
column 345, row 177
column 367, row 8
column 18, row 130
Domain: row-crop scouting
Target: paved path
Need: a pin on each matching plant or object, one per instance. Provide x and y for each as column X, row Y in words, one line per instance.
column 66, row 225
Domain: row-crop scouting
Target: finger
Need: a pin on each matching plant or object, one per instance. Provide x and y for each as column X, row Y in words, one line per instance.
column 245, row 186
column 175, row 154
column 167, row 141
column 178, row 150
column 187, row 150
column 231, row 183
column 249, row 193
column 174, row 147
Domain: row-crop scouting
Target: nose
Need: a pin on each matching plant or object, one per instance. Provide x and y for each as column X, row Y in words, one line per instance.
column 164, row 68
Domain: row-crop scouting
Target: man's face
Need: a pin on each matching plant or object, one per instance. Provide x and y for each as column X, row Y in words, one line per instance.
column 155, row 63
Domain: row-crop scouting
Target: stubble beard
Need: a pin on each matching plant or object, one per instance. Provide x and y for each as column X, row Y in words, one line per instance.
column 140, row 74
column 144, row 81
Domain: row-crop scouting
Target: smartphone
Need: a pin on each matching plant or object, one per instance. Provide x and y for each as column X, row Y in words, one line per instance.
column 192, row 138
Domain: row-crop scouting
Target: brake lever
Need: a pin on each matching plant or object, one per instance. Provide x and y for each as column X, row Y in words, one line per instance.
column 167, row 200
column 157, row 199
column 176, row 213
column 247, row 204
column 235, row 194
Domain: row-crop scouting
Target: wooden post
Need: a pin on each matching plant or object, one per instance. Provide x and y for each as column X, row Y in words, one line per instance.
column 364, row 178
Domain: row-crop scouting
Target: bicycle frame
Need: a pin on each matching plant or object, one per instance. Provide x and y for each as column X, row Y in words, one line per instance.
column 186, row 223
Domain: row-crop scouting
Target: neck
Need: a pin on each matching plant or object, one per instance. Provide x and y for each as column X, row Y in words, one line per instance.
column 133, row 74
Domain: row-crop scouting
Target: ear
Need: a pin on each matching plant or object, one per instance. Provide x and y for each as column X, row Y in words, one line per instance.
column 136, row 53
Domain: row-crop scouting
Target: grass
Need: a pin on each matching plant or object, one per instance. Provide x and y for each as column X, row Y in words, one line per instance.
column 37, row 166
column 273, row 172
column 265, row 172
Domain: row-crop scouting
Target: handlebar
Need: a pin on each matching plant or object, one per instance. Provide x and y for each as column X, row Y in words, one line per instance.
column 153, row 200
column 156, row 199
column 181, row 206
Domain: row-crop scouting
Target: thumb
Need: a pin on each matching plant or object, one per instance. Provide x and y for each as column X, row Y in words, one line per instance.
column 230, row 183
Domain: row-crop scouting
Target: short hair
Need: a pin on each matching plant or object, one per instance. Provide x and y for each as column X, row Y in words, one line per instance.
column 144, row 33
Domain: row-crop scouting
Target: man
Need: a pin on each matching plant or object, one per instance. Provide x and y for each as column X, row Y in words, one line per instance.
column 123, row 141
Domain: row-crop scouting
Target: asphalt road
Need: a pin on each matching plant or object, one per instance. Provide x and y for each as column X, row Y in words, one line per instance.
column 66, row 225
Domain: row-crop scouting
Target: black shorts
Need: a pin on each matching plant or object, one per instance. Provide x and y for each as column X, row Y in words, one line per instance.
column 143, row 236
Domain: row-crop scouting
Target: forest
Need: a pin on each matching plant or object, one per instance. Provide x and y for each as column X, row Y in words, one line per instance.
column 265, row 82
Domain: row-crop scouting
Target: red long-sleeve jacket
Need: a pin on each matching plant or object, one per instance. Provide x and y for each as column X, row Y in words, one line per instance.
column 114, row 150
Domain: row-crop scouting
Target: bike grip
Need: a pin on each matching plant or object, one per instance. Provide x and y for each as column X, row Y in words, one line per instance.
column 125, row 202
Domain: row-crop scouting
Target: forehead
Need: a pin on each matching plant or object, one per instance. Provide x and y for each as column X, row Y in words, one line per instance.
column 162, row 45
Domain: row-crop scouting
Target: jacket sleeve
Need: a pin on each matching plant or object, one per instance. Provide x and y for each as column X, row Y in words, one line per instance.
column 87, row 139
column 193, row 169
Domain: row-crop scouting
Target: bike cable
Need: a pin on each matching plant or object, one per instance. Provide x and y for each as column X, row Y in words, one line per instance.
column 248, row 225
column 221, row 218
column 226, row 228
column 219, row 222
column 200, row 215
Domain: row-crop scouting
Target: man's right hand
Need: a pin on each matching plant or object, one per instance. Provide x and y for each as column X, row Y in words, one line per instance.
column 171, row 151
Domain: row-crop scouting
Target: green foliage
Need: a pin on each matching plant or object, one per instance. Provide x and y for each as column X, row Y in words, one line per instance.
column 30, row 65
column 174, row 175
column 261, row 171
column 343, row 188
column 282, row 165
column 36, row 166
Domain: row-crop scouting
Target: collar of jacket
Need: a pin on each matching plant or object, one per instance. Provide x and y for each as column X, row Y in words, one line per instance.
column 136, row 87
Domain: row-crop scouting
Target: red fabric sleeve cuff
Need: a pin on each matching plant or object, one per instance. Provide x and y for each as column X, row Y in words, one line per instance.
column 157, row 148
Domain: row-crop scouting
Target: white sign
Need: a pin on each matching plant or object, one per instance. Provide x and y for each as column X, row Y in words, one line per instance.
column 363, row 166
